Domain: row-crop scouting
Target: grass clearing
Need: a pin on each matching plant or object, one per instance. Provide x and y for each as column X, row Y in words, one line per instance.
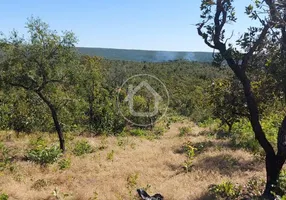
column 116, row 166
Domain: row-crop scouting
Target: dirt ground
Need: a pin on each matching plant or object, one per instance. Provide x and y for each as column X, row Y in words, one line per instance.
column 126, row 163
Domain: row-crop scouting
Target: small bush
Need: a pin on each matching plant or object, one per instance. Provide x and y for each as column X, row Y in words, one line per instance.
column 159, row 130
column 132, row 184
column 44, row 156
column 184, row 131
column 202, row 146
column 254, row 187
column 225, row 190
column 82, row 147
column 282, row 181
column 122, row 141
column 5, row 156
column 138, row 132
column 207, row 133
column 110, row 155
column 187, row 165
column 209, row 123
column 4, row 196
column 40, row 184
column 64, row 164
column 38, row 143
column 189, row 149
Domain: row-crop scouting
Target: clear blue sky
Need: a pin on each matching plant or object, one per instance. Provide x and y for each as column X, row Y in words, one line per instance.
column 129, row 24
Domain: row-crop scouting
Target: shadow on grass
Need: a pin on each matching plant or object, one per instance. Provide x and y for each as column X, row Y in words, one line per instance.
column 226, row 164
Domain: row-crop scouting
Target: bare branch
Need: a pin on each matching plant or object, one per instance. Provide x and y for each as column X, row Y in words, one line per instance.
column 229, row 37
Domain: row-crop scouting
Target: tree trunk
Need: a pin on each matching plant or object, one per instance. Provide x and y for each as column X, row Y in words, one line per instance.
column 229, row 124
column 55, row 119
column 273, row 168
column 273, row 162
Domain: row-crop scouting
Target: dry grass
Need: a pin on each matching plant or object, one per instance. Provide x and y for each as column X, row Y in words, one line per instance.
column 135, row 163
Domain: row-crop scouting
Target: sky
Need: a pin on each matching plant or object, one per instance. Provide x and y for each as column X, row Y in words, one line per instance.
column 126, row 24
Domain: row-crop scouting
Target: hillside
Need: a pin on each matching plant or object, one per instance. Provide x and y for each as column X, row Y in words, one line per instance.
column 120, row 165
column 144, row 55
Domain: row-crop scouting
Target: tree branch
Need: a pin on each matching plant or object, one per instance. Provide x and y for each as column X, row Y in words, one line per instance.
column 256, row 44
column 19, row 85
column 204, row 36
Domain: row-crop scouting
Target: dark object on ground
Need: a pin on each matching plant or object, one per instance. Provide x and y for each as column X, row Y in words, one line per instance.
column 145, row 196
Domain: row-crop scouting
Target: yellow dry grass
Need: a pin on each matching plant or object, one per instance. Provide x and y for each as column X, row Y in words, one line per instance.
column 156, row 163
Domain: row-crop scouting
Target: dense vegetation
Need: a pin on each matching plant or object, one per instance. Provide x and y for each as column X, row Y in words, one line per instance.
column 47, row 86
column 43, row 74
column 144, row 55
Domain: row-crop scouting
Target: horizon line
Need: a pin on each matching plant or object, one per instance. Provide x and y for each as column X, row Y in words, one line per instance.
column 131, row 49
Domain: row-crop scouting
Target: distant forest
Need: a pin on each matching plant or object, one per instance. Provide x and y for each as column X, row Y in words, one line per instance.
column 145, row 55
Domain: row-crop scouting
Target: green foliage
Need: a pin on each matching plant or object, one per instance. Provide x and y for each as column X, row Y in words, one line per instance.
column 38, row 142
column 138, row 132
column 189, row 149
column 132, row 184
column 254, row 187
column 42, row 65
column 225, row 190
column 45, row 155
column 185, row 131
column 200, row 147
column 5, row 157
column 82, row 147
column 110, row 155
column 4, row 196
column 64, row 164
column 227, row 98
column 243, row 136
column 282, row 181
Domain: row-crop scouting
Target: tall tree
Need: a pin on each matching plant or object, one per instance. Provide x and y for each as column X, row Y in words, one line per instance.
column 41, row 64
column 215, row 15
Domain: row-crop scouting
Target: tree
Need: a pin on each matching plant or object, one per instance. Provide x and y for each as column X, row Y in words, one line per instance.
column 41, row 64
column 253, row 44
column 90, row 84
column 226, row 98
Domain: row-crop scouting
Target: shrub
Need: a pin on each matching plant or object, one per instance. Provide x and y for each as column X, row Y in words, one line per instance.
column 187, row 165
column 159, row 130
column 110, row 155
column 132, row 184
column 64, row 164
column 4, row 196
column 209, row 123
column 254, row 187
column 243, row 137
column 225, row 190
column 38, row 143
column 138, row 132
column 202, row 146
column 189, row 149
column 282, row 181
column 39, row 184
column 184, row 131
column 5, row 156
column 44, row 156
column 82, row 147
